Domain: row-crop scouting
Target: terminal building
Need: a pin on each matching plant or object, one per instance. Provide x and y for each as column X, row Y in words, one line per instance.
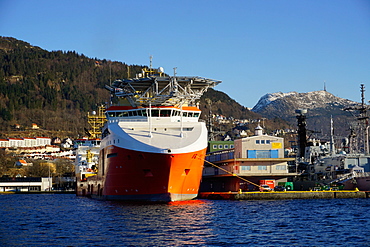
column 253, row 160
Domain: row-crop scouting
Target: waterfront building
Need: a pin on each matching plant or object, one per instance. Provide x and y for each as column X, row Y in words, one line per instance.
column 219, row 145
column 252, row 160
column 25, row 184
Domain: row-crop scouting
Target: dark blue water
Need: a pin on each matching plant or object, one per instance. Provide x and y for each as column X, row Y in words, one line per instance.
column 67, row 220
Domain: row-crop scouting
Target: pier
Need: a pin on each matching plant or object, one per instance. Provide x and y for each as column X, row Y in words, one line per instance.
column 287, row 195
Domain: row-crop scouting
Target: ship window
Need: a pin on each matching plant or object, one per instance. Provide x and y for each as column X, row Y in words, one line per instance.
column 125, row 114
column 226, row 146
column 184, row 114
column 119, row 114
column 190, row 114
column 257, row 141
column 165, row 113
column 139, row 113
column 144, row 113
column 111, row 155
column 155, row 113
column 214, row 146
column 262, row 168
column 176, row 113
column 267, row 141
column 220, row 146
column 196, row 114
column 262, row 141
column 111, row 114
column 231, row 146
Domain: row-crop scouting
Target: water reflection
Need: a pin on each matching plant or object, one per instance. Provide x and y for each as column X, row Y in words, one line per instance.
column 172, row 224
column 64, row 220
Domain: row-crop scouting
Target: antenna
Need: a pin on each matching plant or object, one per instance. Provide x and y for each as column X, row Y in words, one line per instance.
column 324, row 85
column 174, row 71
column 151, row 59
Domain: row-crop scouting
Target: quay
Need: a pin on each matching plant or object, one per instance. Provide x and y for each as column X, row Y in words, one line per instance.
column 287, row 195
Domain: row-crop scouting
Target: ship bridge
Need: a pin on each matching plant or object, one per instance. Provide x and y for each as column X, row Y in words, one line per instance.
column 161, row 90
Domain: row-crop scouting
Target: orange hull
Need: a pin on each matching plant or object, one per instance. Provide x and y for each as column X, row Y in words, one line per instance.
column 132, row 175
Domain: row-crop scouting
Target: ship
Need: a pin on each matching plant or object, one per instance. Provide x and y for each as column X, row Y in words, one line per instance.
column 322, row 165
column 153, row 143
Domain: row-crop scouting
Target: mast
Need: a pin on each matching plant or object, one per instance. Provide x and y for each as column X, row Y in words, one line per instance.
column 363, row 127
column 332, row 148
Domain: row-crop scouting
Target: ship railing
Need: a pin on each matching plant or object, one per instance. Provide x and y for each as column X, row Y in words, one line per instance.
column 127, row 120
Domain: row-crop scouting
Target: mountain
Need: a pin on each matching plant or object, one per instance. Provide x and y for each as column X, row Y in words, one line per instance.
column 56, row 89
column 321, row 105
column 53, row 89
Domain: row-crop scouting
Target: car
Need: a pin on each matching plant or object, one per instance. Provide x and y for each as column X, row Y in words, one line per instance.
column 265, row 187
column 279, row 188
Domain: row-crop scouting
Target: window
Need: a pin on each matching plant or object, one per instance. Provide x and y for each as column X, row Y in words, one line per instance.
column 231, row 146
column 262, row 141
column 267, row 141
column 257, row 141
column 155, row 113
column 196, row 114
column 220, row 146
column 111, row 155
column 280, row 167
column 262, row 168
column 214, row 146
column 165, row 113
column 245, row 168
column 226, row 146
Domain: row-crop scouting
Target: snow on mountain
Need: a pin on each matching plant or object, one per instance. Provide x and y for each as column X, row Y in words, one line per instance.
column 310, row 100
column 321, row 105
column 269, row 98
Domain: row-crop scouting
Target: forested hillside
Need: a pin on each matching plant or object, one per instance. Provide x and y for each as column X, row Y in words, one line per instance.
column 56, row 89
column 52, row 89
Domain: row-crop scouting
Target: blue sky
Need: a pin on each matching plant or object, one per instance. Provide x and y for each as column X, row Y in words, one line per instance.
column 253, row 46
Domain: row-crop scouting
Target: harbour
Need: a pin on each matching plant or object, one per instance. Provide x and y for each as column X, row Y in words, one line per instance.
column 67, row 220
